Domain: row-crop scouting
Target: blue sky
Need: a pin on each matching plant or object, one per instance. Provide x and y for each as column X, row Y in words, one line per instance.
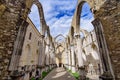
column 58, row 15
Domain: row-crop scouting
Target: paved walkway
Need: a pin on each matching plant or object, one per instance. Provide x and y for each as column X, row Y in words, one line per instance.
column 93, row 77
column 59, row 74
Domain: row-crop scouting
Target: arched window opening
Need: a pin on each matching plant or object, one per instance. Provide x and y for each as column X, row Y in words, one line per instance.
column 83, row 22
column 34, row 16
column 86, row 18
column 60, row 38
column 30, row 35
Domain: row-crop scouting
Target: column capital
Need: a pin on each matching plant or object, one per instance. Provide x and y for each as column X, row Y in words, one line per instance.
column 42, row 36
column 47, row 44
column 72, row 44
column 77, row 36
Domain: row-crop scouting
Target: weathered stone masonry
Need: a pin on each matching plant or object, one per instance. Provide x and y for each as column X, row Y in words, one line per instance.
column 10, row 14
column 109, row 15
column 14, row 12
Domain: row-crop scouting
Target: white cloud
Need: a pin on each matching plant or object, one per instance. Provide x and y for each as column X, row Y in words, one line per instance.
column 58, row 15
column 61, row 26
column 63, row 22
column 86, row 24
column 52, row 9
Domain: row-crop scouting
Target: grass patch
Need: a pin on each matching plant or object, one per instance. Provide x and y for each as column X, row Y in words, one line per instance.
column 76, row 75
column 87, row 79
column 32, row 78
column 44, row 73
column 70, row 71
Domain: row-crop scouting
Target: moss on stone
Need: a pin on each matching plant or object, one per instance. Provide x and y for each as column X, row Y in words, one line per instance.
column 76, row 75
column 2, row 9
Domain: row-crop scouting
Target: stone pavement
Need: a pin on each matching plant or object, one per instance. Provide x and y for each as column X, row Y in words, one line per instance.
column 59, row 74
column 93, row 77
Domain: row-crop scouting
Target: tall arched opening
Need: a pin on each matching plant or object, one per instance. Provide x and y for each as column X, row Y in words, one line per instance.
column 106, row 63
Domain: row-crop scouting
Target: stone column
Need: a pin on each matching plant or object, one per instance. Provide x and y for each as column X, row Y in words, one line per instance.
column 79, row 51
column 52, row 55
column 69, row 56
column 104, row 54
column 18, row 46
column 18, row 49
column 79, row 56
column 73, row 58
column 67, row 59
column 47, row 57
column 41, row 55
column 50, row 62
column 54, row 59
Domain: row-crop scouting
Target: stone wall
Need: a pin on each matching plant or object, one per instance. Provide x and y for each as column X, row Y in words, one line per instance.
column 109, row 15
column 10, row 20
column 11, row 17
column 90, row 46
column 30, row 57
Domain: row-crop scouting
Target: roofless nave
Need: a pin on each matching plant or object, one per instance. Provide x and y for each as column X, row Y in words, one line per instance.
column 25, row 53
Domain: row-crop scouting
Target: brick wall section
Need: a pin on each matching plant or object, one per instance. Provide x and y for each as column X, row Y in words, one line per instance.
column 110, row 18
column 9, row 16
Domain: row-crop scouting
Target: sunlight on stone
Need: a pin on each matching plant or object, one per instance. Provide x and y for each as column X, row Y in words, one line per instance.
column 48, row 39
column 59, row 75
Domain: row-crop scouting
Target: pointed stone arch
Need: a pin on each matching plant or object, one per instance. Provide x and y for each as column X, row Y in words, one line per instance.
column 94, row 4
column 25, row 11
column 76, row 18
column 59, row 36
column 71, row 34
column 41, row 16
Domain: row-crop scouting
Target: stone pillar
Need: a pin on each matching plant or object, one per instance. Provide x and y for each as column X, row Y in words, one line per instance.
column 104, row 54
column 73, row 58
column 50, row 62
column 54, row 59
column 79, row 56
column 41, row 57
column 69, row 56
column 43, row 53
column 51, row 58
column 18, row 50
column 18, row 46
column 79, row 51
column 67, row 65
column 66, row 52
column 47, row 57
